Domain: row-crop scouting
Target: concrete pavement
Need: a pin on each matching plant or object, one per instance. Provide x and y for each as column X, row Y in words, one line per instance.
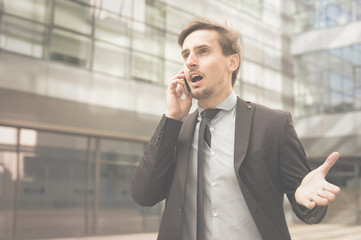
column 298, row 232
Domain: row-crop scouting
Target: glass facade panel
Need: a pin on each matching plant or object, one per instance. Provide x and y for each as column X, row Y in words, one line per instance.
column 155, row 13
column 52, row 187
column 325, row 13
column 147, row 67
column 73, row 16
column 252, row 7
column 126, row 153
column 119, row 7
column 176, row 19
column 112, row 28
column 170, row 70
column 357, row 10
column 70, row 48
column 111, row 60
column 118, row 213
column 37, row 10
column 172, row 51
column 357, row 54
column 8, row 177
column 331, row 75
column 22, row 37
column 357, row 76
column 150, row 41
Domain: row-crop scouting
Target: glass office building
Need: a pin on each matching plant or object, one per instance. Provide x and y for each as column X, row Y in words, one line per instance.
column 82, row 87
column 327, row 76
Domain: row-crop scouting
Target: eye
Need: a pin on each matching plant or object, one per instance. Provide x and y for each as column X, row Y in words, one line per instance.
column 185, row 55
column 203, row 50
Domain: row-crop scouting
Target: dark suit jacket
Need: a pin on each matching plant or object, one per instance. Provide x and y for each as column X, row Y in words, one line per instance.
column 269, row 161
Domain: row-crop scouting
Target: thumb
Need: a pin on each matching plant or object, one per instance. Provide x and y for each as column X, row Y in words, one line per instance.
column 330, row 161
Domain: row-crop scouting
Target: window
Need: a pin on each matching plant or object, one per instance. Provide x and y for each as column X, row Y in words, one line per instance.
column 22, row 37
column 70, row 48
column 37, row 10
column 73, row 16
column 330, row 79
column 110, row 59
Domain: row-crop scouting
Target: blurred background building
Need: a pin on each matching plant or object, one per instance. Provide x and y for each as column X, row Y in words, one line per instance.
column 82, row 87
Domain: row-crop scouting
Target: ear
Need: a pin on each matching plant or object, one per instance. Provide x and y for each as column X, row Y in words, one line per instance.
column 234, row 62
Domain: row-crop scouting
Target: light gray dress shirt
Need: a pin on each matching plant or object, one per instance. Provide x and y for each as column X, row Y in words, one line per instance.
column 226, row 213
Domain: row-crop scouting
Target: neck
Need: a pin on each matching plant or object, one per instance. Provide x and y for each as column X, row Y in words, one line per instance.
column 212, row 102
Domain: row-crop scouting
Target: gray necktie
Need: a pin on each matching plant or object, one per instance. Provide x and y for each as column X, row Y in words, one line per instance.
column 204, row 134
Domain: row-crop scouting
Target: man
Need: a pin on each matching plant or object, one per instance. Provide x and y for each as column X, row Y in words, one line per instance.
column 253, row 159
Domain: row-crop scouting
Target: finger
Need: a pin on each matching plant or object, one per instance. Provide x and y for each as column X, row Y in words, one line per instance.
column 179, row 90
column 330, row 161
column 332, row 188
column 327, row 195
column 179, row 75
column 174, row 83
column 309, row 204
column 320, row 201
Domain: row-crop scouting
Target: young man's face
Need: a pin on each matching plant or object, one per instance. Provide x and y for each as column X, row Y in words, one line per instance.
column 207, row 70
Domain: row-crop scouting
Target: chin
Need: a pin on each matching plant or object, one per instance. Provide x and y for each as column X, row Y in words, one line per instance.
column 201, row 94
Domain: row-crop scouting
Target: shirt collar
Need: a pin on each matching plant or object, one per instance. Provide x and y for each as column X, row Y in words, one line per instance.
column 227, row 104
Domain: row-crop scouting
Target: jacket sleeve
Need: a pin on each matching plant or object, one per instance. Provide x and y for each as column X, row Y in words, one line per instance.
column 153, row 176
column 294, row 167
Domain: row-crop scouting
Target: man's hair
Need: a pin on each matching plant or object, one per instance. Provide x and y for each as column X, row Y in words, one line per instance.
column 228, row 38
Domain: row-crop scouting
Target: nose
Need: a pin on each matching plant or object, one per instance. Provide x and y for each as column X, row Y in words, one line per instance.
column 191, row 62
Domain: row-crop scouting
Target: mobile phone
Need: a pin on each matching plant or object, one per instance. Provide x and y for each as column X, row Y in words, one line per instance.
column 186, row 89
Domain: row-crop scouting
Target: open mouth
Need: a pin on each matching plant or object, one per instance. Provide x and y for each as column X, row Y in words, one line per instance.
column 196, row 78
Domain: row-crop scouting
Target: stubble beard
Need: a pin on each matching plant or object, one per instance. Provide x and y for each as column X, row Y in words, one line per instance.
column 206, row 93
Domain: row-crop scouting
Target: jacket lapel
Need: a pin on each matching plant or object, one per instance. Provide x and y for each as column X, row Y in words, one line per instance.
column 244, row 116
column 185, row 147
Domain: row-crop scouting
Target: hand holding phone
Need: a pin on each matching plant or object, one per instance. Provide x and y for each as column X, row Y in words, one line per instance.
column 178, row 100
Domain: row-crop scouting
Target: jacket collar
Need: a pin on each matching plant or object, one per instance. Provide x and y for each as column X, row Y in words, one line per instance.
column 244, row 117
column 185, row 146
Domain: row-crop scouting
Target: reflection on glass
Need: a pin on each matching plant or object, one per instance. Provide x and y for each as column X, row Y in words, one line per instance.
column 37, row 10
column 170, row 70
column 146, row 67
column 8, row 135
column 330, row 74
column 155, row 13
column 172, row 51
column 22, row 37
column 123, row 7
column 122, row 152
column 52, row 191
column 149, row 41
column 112, row 28
column 252, row 7
column 7, row 190
column 175, row 20
column 28, row 137
column 118, row 214
column 110, row 59
column 326, row 13
column 69, row 48
column 72, row 15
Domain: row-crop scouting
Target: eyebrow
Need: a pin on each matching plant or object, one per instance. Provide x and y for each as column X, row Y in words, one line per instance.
column 197, row 47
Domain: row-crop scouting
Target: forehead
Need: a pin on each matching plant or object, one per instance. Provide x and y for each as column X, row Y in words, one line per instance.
column 201, row 37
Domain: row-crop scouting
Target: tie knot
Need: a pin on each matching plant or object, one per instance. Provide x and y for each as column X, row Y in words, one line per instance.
column 209, row 113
